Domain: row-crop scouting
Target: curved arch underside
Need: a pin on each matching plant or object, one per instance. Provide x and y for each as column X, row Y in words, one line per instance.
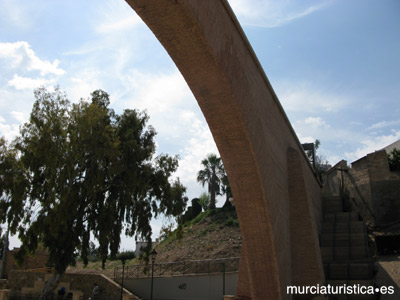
column 276, row 194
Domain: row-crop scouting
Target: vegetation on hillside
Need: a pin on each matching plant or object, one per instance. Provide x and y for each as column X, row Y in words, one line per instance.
column 212, row 234
column 224, row 216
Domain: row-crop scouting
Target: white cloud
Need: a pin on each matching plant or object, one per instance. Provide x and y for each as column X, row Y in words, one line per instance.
column 166, row 97
column 124, row 24
column 9, row 131
column 316, row 122
column 21, row 83
column 84, row 83
column 383, row 124
column 305, row 139
column 196, row 149
column 269, row 13
column 310, row 129
column 175, row 115
column 116, row 16
column 372, row 144
column 21, row 117
column 304, row 97
column 21, row 55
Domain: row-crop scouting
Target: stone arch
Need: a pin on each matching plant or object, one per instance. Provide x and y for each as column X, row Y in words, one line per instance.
column 276, row 193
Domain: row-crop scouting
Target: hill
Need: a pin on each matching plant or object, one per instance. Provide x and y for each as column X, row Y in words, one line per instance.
column 212, row 234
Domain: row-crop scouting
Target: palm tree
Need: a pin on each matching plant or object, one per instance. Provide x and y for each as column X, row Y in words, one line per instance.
column 212, row 175
column 226, row 189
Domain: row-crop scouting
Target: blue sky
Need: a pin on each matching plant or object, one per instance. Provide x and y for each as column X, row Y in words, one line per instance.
column 334, row 65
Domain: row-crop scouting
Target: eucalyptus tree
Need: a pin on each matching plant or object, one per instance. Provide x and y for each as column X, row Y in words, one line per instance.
column 212, row 174
column 91, row 172
column 13, row 183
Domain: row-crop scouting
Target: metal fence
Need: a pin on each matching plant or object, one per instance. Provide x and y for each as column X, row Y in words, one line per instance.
column 189, row 267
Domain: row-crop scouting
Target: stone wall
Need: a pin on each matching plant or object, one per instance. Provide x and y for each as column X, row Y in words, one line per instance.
column 332, row 179
column 82, row 282
column 380, row 187
column 39, row 260
column 369, row 188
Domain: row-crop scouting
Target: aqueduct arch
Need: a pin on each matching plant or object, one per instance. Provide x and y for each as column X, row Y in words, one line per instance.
column 276, row 194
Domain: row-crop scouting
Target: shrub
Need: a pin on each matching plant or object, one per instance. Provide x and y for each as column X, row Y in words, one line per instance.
column 394, row 160
column 126, row 255
column 204, row 201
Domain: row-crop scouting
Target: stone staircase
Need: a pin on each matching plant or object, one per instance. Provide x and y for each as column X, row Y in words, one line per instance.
column 344, row 246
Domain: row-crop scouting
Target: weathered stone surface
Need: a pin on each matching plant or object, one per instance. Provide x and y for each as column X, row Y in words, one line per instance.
column 39, row 260
column 250, row 129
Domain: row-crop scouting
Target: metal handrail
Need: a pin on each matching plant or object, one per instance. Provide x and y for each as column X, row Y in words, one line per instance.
column 187, row 267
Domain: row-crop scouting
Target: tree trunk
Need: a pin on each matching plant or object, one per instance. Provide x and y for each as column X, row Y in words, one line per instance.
column 4, row 258
column 212, row 196
column 51, row 284
column 227, row 202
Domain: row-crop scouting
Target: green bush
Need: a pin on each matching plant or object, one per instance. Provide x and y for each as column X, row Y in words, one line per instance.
column 125, row 255
column 231, row 222
column 394, row 160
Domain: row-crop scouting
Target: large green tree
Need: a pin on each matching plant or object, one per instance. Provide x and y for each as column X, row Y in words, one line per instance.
column 212, row 174
column 13, row 183
column 91, row 172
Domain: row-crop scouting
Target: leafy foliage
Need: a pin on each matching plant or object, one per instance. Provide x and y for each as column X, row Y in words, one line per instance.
column 212, row 174
column 196, row 207
column 218, row 215
column 204, row 201
column 126, row 255
column 192, row 211
column 88, row 171
column 13, row 184
column 321, row 163
column 394, row 160
column 226, row 189
column 166, row 231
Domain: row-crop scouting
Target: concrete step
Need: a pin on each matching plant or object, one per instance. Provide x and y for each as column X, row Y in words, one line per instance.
column 332, row 204
column 355, row 253
column 342, row 227
column 327, row 199
column 349, row 271
column 332, row 208
column 341, row 216
column 346, row 239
